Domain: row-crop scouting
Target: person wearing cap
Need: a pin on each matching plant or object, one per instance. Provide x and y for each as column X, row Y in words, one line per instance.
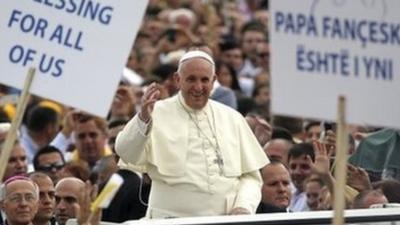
column 201, row 155
column 19, row 200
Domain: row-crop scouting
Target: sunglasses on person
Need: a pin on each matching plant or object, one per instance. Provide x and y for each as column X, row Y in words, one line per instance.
column 50, row 167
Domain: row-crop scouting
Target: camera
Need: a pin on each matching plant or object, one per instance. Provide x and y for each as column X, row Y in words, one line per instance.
column 325, row 126
column 171, row 34
column 328, row 126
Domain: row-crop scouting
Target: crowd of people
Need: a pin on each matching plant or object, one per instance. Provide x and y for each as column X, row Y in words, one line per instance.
column 190, row 118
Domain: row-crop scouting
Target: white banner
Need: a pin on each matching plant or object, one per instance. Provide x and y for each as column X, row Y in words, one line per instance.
column 323, row 49
column 78, row 47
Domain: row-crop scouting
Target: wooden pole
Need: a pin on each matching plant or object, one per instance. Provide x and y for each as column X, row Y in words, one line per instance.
column 212, row 24
column 16, row 122
column 341, row 163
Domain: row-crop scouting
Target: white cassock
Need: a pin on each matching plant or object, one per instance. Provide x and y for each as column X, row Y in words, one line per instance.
column 202, row 162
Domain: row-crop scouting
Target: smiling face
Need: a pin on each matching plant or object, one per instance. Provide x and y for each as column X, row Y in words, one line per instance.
column 196, row 77
column 300, row 170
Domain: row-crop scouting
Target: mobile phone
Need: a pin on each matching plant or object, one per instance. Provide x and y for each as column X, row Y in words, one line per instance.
column 171, row 35
column 328, row 126
column 325, row 126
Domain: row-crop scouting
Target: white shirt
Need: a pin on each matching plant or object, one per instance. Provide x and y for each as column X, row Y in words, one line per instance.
column 298, row 203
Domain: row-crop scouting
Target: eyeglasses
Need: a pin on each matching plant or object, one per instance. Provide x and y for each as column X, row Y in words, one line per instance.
column 50, row 167
column 18, row 198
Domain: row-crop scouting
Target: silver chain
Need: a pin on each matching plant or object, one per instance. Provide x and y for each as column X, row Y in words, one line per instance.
column 219, row 159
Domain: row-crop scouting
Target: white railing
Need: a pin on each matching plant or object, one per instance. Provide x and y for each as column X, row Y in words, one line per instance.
column 388, row 216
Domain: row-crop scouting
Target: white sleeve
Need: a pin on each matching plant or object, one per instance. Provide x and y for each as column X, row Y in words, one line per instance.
column 143, row 126
column 249, row 193
column 131, row 141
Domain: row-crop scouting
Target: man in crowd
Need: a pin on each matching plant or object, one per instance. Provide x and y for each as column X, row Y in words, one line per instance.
column 278, row 149
column 90, row 139
column 172, row 138
column 50, row 161
column 313, row 131
column 300, row 170
column 67, row 198
column 45, row 214
column 253, row 33
column 276, row 192
column 42, row 127
column 19, row 200
column 17, row 163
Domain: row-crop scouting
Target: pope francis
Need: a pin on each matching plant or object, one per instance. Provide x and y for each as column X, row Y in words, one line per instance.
column 202, row 157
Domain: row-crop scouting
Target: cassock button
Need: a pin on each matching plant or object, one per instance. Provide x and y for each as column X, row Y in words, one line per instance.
column 213, row 171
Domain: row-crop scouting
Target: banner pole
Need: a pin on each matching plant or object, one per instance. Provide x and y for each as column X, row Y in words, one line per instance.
column 341, row 163
column 16, row 122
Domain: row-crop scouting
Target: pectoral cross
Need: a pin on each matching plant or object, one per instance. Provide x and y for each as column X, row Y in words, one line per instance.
column 220, row 163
